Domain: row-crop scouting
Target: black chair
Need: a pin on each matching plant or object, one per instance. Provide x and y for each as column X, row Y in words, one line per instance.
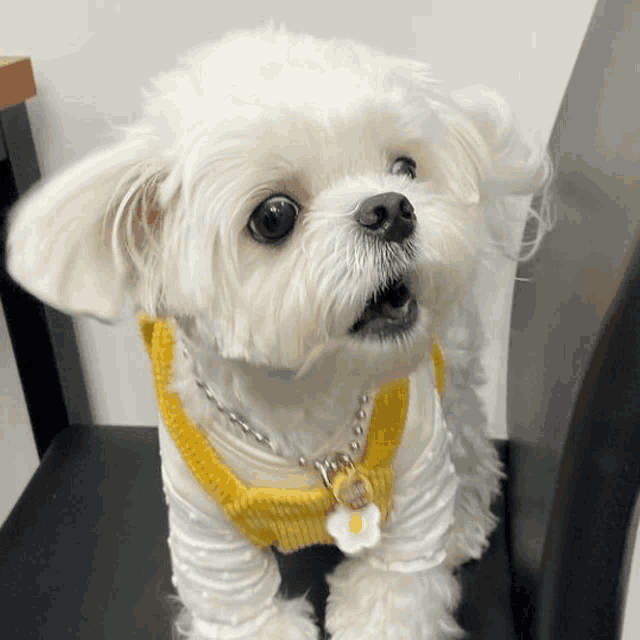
column 592, row 527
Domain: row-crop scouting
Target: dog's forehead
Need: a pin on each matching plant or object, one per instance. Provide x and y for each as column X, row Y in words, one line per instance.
column 306, row 98
column 358, row 139
column 271, row 69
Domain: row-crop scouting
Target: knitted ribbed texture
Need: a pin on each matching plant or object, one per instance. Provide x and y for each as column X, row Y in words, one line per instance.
column 287, row 518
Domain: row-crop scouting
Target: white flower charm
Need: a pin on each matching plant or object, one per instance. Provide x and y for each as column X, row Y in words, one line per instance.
column 355, row 530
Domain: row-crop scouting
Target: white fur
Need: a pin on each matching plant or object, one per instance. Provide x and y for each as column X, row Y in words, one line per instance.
column 161, row 217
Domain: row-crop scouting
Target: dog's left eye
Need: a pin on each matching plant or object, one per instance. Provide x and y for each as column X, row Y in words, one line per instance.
column 404, row 167
column 273, row 219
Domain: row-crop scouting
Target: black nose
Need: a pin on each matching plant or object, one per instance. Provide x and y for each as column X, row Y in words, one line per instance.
column 387, row 215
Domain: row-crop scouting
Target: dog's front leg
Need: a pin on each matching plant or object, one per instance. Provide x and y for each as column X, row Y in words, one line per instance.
column 227, row 586
column 370, row 601
column 405, row 588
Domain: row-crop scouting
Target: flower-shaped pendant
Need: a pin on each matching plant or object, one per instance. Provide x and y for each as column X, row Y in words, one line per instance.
column 355, row 523
column 355, row 530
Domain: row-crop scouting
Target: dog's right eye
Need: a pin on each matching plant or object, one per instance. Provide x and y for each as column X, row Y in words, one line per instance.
column 404, row 166
column 273, row 219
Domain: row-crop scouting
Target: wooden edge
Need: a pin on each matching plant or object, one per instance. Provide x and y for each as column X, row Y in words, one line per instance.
column 16, row 81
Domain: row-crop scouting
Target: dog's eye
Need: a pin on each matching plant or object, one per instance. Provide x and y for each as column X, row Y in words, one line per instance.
column 273, row 219
column 404, row 167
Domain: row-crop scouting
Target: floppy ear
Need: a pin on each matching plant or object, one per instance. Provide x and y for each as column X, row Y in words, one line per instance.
column 517, row 169
column 58, row 245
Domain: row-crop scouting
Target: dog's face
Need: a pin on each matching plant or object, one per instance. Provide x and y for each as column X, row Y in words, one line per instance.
column 319, row 191
column 285, row 195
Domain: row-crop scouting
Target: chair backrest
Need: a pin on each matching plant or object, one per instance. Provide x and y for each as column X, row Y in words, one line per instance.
column 28, row 320
column 562, row 339
column 583, row 565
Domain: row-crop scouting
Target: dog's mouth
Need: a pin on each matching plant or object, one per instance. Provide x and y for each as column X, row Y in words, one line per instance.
column 389, row 311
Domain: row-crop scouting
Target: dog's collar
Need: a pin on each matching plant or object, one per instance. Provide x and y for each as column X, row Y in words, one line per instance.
column 290, row 518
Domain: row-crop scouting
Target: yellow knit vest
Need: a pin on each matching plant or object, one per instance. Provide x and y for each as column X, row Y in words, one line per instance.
column 287, row 518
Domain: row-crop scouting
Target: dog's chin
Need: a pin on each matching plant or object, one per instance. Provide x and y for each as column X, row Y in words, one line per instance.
column 391, row 313
column 387, row 341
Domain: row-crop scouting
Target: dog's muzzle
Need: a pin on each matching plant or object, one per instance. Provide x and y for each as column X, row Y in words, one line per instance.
column 391, row 311
column 389, row 216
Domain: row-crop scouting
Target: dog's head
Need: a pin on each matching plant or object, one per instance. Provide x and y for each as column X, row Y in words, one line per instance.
column 282, row 194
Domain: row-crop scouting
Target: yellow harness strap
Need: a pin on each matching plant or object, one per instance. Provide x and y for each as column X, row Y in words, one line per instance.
column 287, row 518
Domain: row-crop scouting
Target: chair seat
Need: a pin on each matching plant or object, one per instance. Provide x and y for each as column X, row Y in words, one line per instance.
column 84, row 552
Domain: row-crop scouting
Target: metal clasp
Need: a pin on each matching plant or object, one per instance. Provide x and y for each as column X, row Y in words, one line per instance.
column 329, row 468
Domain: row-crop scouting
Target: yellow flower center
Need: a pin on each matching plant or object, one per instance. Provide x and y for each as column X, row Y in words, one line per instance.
column 355, row 524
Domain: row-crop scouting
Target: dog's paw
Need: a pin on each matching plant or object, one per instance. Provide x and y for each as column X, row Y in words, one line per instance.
column 287, row 620
column 366, row 603
column 293, row 621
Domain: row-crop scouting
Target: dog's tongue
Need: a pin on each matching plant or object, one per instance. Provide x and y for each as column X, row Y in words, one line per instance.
column 394, row 301
column 391, row 304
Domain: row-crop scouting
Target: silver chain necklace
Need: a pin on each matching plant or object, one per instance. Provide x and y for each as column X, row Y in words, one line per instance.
column 327, row 466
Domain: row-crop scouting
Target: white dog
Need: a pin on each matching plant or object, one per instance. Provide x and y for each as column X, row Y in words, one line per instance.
column 299, row 222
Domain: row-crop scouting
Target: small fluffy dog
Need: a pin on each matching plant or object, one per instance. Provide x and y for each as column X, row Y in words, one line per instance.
column 299, row 224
